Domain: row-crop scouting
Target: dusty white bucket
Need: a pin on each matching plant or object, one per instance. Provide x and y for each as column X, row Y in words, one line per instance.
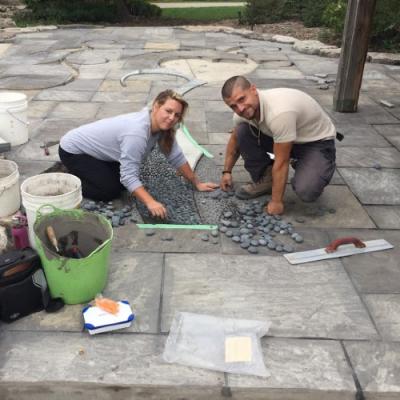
column 58, row 189
column 10, row 198
column 13, row 119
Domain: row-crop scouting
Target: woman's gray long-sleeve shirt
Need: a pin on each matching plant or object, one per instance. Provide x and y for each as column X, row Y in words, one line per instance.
column 126, row 138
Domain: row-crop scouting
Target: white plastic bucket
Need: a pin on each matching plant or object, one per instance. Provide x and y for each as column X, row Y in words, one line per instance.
column 10, row 198
column 13, row 119
column 58, row 189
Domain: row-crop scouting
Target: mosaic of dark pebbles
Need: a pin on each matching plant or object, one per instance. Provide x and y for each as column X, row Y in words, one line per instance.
column 162, row 182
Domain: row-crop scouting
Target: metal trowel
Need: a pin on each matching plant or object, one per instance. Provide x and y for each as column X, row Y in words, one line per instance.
column 52, row 238
column 348, row 247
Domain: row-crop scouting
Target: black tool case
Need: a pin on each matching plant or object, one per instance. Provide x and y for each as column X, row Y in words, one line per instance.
column 23, row 286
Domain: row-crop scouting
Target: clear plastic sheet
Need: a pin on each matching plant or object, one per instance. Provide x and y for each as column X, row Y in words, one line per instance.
column 220, row 344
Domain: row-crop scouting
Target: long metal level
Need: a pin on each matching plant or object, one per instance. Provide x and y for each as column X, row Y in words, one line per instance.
column 343, row 251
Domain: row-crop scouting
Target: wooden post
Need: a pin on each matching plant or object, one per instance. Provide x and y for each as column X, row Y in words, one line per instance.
column 353, row 54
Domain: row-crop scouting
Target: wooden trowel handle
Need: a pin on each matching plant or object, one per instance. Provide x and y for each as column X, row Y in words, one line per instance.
column 52, row 237
column 333, row 246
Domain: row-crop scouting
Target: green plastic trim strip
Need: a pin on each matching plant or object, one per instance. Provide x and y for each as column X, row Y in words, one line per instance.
column 172, row 226
column 190, row 137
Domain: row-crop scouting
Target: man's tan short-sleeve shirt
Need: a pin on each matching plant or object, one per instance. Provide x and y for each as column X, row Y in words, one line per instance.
column 290, row 115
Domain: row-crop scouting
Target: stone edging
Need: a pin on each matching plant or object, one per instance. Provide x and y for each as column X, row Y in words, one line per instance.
column 312, row 47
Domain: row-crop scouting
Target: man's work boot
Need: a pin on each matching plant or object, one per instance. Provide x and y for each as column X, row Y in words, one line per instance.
column 252, row 190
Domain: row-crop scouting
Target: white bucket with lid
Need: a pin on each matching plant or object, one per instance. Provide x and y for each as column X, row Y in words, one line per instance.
column 58, row 189
column 10, row 198
column 13, row 119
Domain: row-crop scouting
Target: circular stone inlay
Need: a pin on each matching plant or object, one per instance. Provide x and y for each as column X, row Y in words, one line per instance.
column 210, row 71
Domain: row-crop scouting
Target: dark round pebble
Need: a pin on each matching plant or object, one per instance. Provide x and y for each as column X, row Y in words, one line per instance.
column 252, row 250
column 167, row 238
column 204, row 237
column 299, row 239
column 288, row 248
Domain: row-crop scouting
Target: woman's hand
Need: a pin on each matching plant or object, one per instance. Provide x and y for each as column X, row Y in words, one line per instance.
column 206, row 186
column 226, row 182
column 157, row 209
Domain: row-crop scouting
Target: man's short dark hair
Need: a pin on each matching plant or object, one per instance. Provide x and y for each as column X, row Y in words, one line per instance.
column 233, row 82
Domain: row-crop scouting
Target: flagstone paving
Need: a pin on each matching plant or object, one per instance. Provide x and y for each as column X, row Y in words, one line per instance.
column 335, row 329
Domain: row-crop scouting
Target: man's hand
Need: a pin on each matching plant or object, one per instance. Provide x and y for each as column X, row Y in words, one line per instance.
column 274, row 207
column 157, row 209
column 231, row 156
column 226, row 182
column 206, row 186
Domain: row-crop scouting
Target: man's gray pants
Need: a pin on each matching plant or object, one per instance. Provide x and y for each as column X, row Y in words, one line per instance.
column 314, row 162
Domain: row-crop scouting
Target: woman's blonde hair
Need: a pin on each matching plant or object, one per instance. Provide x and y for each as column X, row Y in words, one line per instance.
column 167, row 138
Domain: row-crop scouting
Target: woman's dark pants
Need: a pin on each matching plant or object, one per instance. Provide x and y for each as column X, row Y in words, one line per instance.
column 314, row 161
column 100, row 179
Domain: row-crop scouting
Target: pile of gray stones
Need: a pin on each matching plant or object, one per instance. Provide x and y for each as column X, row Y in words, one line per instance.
column 117, row 216
column 250, row 227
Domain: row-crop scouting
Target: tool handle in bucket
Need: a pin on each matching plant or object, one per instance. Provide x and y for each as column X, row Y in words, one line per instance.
column 332, row 247
column 18, row 119
column 39, row 213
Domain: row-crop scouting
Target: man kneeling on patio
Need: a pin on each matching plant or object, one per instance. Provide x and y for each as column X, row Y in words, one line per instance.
column 288, row 124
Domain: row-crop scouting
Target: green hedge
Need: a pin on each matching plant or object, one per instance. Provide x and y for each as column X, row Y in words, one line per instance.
column 76, row 11
column 385, row 24
column 312, row 12
column 141, row 8
column 201, row 14
column 69, row 11
column 329, row 14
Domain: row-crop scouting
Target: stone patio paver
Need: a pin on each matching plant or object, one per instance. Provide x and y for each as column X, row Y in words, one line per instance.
column 381, row 157
column 303, row 368
column 317, row 300
column 385, row 189
column 385, row 310
column 391, row 133
column 377, row 367
column 98, row 367
column 385, row 217
column 334, row 323
column 376, row 272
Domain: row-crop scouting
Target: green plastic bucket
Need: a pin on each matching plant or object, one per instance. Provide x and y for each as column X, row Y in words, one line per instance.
column 74, row 280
